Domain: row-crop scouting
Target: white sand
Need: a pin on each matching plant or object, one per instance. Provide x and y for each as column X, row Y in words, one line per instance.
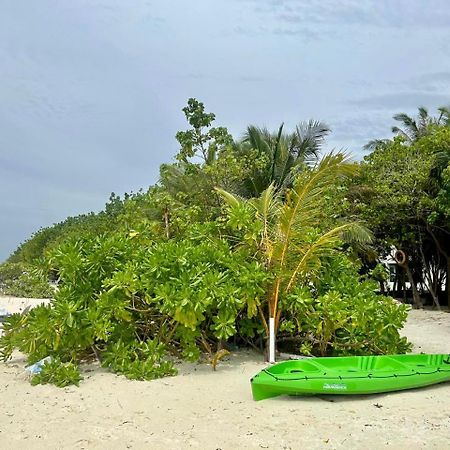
column 214, row 410
column 18, row 304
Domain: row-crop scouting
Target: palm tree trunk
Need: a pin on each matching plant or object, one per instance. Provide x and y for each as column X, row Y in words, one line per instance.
column 273, row 307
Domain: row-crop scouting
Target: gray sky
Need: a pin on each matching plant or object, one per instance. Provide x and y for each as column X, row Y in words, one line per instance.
column 91, row 90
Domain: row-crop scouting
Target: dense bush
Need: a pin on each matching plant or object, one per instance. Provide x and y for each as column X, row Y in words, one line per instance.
column 125, row 300
column 91, row 224
column 343, row 315
column 128, row 300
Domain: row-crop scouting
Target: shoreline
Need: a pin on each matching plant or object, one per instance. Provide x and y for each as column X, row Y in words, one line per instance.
column 203, row 409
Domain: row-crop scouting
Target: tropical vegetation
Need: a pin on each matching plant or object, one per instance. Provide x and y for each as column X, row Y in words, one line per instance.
column 238, row 236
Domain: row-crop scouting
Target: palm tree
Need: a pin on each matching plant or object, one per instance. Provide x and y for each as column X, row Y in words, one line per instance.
column 283, row 154
column 413, row 129
column 284, row 243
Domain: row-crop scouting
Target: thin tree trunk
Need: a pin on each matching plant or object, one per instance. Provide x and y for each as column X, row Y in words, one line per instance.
column 396, row 285
column 416, row 297
column 166, row 223
column 273, row 314
column 447, row 258
column 402, row 261
column 447, row 282
column 428, row 278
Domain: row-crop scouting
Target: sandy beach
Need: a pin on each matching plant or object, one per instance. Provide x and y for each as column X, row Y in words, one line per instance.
column 203, row 409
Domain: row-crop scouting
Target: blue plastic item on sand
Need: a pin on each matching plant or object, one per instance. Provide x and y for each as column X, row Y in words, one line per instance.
column 3, row 314
column 37, row 367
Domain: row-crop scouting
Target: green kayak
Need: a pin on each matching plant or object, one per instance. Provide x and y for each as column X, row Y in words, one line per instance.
column 350, row 375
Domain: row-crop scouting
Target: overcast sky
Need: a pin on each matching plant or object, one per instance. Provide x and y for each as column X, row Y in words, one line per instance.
column 91, row 90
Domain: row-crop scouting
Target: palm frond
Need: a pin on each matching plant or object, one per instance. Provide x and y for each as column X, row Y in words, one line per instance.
column 258, row 138
column 444, row 116
column 311, row 256
column 423, row 113
column 415, row 129
column 230, row 199
column 308, row 138
column 277, row 152
column 358, row 234
column 302, row 204
column 400, row 132
column 286, row 154
column 376, row 143
column 267, row 204
column 405, row 119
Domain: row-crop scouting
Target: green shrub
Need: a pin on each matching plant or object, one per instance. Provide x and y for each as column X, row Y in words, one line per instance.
column 139, row 360
column 124, row 300
column 343, row 315
column 57, row 373
column 127, row 300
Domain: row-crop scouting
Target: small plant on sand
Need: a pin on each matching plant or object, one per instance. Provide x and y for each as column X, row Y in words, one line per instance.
column 57, row 373
column 138, row 361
